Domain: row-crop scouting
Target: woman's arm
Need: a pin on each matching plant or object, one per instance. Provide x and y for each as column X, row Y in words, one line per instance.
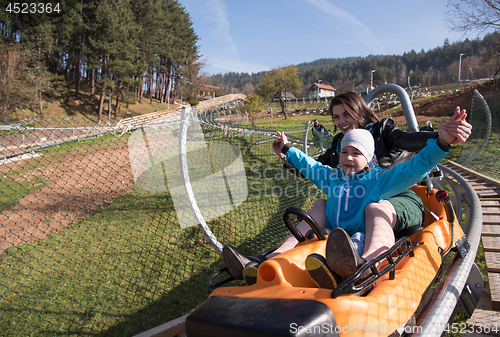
column 403, row 176
column 396, row 138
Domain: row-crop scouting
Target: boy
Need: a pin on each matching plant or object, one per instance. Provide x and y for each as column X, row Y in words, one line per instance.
column 356, row 183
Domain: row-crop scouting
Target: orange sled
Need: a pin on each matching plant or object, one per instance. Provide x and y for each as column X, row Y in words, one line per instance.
column 286, row 302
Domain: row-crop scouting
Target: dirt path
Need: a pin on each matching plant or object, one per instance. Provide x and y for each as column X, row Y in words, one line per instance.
column 74, row 189
column 437, row 108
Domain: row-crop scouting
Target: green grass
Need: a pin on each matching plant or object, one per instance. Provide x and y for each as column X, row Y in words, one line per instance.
column 11, row 191
column 97, row 274
column 297, row 121
column 78, row 281
column 129, row 266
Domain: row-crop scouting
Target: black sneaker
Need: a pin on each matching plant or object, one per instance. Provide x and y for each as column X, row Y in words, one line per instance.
column 236, row 262
column 250, row 273
column 341, row 254
column 320, row 273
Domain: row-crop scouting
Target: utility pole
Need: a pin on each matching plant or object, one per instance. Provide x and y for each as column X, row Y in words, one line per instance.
column 460, row 67
column 371, row 82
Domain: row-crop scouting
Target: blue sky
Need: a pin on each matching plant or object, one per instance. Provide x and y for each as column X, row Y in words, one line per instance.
column 259, row 35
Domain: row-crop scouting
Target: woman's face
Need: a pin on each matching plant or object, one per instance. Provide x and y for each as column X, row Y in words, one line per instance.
column 342, row 120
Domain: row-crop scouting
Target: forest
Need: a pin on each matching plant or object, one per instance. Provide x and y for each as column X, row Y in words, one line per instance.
column 119, row 49
column 439, row 65
column 125, row 51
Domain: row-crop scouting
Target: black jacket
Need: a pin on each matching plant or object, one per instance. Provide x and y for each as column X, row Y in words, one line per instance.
column 390, row 141
column 320, row 128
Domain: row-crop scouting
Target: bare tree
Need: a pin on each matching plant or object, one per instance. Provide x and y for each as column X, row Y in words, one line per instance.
column 22, row 79
column 479, row 16
column 474, row 15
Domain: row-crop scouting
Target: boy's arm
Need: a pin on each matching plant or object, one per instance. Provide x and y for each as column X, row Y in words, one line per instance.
column 310, row 168
column 313, row 170
column 403, row 176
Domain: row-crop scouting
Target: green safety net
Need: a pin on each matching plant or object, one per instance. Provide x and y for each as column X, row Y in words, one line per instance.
column 98, row 234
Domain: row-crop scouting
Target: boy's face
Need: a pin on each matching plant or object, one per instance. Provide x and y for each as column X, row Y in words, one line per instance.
column 352, row 160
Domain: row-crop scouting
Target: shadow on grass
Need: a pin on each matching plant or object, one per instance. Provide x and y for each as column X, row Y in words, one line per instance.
column 187, row 294
column 130, row 267
column 84, row 104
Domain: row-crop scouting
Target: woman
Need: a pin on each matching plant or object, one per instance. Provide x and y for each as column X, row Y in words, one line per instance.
column 349, row 111
column 350, row 188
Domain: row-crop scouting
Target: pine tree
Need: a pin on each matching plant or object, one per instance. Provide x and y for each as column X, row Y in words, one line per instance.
column 113, row 42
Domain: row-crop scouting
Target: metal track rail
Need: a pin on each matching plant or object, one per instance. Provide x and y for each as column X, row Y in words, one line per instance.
column 436, row 314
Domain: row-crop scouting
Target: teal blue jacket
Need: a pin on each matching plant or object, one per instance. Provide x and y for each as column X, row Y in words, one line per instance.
column 348, row 195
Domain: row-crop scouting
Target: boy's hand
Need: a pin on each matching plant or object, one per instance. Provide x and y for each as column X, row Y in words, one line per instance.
column 279, row 143
column 456, row 130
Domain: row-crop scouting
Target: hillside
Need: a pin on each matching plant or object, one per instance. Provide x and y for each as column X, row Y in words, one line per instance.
column 436, row 107
column 85, row 106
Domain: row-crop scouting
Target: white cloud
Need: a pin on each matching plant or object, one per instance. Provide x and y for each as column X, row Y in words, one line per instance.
column 345, row 20
column 224, row 54
column 221, row 26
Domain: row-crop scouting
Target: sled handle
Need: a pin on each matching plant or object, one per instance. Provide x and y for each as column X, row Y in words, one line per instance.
column 211, row 280
column 356, row 283
column 442, row 196
column 307, row 218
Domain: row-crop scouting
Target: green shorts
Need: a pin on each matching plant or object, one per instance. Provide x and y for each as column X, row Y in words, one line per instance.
column 409, row 210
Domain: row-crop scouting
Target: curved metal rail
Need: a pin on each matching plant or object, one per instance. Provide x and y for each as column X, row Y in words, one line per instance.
column 437, row 311
column 186, row 182
column 436, row 314
column 488, row 130
column 219, row 112
column 403, row 96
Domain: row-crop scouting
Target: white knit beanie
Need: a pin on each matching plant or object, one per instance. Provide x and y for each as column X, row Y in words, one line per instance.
column 362, row 140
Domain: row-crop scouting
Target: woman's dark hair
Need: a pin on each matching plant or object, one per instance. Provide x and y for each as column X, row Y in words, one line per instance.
column 355, row 106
